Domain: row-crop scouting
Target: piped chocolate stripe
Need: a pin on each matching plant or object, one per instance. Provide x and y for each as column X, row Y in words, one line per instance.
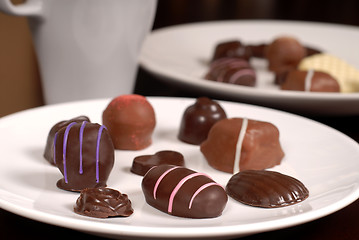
column 98, row 152
column 237, row 156
column 81, row 136
column 66, row 135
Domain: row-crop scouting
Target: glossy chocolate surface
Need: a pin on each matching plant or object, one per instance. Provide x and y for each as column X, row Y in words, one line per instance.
column 130, row 120
column 198, row 119
column 142, row 164
column 267, row 189
column 84, row 154
column 103, row 203
column 49, row 148
column 183, row 192
column 260, row 148
column 233, row 49
column 232, row 70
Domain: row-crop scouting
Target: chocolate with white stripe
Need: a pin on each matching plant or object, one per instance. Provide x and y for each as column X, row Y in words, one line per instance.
column 84, row 153
column 267, row 189
column 183, row 192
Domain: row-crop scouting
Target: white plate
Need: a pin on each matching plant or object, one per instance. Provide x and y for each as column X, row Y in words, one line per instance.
column 325, row 160
column 180, row 55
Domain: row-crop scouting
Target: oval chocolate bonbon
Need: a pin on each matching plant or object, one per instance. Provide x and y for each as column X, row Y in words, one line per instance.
column 183, row 192
column 267, row 189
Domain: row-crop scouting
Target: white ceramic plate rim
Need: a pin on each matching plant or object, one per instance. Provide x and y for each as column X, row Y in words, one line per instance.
column 22, row 206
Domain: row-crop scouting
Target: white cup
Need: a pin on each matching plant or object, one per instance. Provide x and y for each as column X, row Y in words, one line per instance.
column 86, row 48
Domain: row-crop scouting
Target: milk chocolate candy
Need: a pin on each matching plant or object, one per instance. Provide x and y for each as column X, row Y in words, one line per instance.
column 266, row 189
column 183, row 192
column 49, row 148
column 239, row 144
column 84, row 154
column 102, row 203
column 130, row 120
column 310, row 81
column 142, row 164
column 198, row 119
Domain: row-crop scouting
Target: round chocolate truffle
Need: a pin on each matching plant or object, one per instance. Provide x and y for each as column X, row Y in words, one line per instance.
column 102, row 203
column 232, row 49
column 198, row 119
column 130, row 120
column 310, row 81
column 84, row 153
column 49, row 148
column 284, row 54
column 232, row 70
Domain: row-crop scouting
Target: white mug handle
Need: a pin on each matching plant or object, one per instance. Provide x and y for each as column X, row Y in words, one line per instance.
column 29, row 8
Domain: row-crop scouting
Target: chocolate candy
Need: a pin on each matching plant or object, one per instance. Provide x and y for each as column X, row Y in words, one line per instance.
column 102, row 203
column 183, row 192
column 49, row 148
column 198, row 119
column 310, row 81
column 142, row 164
column 267, row 189
column 84, row 154
column 233, row 49
column 238, row 144
column 130, row 120
column 284, row 54
column 232, row 70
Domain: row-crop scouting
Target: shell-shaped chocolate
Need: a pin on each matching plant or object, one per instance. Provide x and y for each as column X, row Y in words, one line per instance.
column 267, row 189
column 183, row 192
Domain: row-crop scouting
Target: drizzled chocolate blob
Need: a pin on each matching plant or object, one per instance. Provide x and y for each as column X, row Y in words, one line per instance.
column 266, row 189
column 142, row 164
column 198, row 119
column 102, row 203
column 84, row 154
column 49, row 148
column 183, row 192
column 234, row 49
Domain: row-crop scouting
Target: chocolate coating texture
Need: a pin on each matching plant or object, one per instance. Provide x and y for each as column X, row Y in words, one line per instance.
column 266, row 189
column 183, row 192
column 84, row 154
column 102, row 203
column 130, row 120
column 260, row 148
column 232, row 70
column 320, row 82
column 233, row 49
column 198, row 119
column 284, row 54
column 142, row 164
column 49, row 148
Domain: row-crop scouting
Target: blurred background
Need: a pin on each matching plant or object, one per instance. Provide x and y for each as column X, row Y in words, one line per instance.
column 20, row 86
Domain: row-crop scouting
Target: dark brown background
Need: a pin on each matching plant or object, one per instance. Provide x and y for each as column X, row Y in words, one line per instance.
column 20, row 89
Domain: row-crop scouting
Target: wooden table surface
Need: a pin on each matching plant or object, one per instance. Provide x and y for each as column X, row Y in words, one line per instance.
column 343, row 224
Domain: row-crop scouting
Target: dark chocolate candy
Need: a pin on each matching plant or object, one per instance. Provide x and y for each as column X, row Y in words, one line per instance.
column 238, row 144
column 182, row 192
column 198, row 119
column 267, row 189
column 310, row 81
column 232, row 70
column 102, row 203
column 142, row 164
column 130, row 120
column 84, row 153
column 49, row 148
column 233, row 49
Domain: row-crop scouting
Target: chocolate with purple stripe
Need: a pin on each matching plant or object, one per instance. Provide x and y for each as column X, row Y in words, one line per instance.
column 84, row 153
